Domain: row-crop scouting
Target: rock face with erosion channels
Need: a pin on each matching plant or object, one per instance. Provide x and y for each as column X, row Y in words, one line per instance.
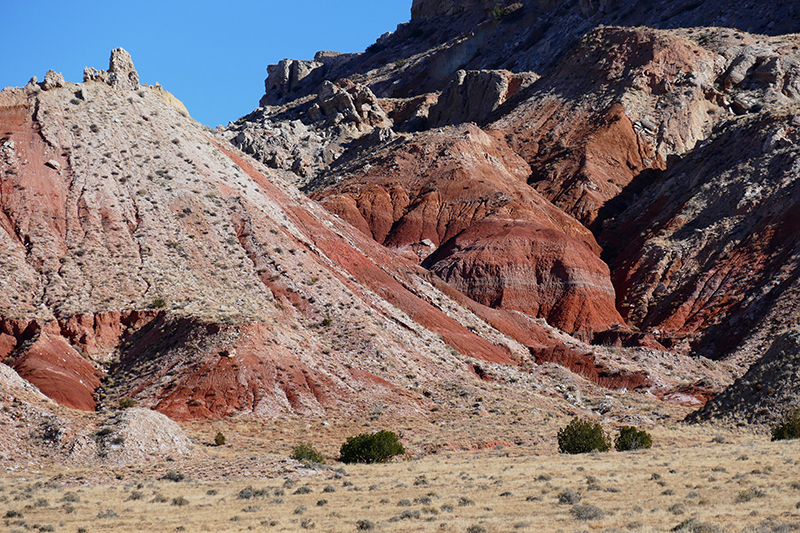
column 766, row 392
column 456, row 200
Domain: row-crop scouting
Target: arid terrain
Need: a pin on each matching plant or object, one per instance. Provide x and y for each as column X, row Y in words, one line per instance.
column 694, row 479
column 496, row 218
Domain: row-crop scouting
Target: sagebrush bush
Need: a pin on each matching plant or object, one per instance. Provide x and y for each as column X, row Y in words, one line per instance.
column 377, row 447
column 219, row 439
column 789, row 428
column 306, row 452
column 127, row 403
column 583, row 436
column 630, row 438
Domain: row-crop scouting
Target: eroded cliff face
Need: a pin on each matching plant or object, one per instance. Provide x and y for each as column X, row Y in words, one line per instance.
column 148, row 258
column 456, row 200
column 493, row 190
column 614, row 117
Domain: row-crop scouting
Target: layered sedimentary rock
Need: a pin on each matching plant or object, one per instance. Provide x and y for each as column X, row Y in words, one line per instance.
column 146, row 258
column 456, row 201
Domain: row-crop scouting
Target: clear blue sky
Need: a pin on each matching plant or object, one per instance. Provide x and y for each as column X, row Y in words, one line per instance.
column 212, row 55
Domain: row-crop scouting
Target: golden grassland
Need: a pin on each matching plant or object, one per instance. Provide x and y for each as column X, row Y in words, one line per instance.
column 705, row 479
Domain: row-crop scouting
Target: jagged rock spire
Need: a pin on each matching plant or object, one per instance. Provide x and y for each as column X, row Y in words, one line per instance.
column 121, row 73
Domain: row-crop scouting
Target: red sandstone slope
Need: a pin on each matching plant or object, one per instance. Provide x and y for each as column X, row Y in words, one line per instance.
column 456, row 200
column 141, row 250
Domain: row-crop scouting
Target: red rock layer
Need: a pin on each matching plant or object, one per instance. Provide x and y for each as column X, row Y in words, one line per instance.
column 585, row 365
column 450, row 189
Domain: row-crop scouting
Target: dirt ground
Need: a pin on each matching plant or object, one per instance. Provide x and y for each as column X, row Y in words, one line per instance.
column 695, row 478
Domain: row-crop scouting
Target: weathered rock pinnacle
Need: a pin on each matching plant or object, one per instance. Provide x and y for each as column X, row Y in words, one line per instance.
column 121, row 73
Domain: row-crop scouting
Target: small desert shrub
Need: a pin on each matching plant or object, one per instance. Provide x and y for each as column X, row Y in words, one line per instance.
column 569, row 497
column 586, row 512
column 70, row 497
column 677, row 509
column 306, row 452
column 219, row 439
column 300, row 509
column 171, row 475
column 180, row 501
column 476, row 529
column 583, row 436
column 305, row 489
column 135, row 495
column 127, row 403
column 630, row 438
column 365, row 525
column 465, row 502
column 377, row 447
column 747, row 495
column 329, row 488
column 789, row 428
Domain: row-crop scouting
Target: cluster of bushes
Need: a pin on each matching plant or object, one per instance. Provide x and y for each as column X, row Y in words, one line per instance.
column 584, row 436
column 579, row 436
column 377, row 447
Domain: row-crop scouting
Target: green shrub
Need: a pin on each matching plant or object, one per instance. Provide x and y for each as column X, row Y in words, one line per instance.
column 306, row 452
column 127, row 403
column 497, row 12
column 219, row 439
column 583, row 436
column 630, row 438
column 789, row 428
column 371, row 448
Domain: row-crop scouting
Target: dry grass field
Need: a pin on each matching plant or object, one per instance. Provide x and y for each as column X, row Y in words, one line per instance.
column 694, row 479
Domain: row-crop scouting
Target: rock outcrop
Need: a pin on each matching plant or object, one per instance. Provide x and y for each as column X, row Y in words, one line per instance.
column 321, row 129
column 432, row 8
column 291, row 76
column 473, row 95
column 121, row 73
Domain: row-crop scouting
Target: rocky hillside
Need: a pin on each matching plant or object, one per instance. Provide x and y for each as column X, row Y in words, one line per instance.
column 665, row 129
column 148, row 259
column 487, row 191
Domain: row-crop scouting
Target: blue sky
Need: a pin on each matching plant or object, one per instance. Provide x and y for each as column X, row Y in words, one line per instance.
column 212, row 55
